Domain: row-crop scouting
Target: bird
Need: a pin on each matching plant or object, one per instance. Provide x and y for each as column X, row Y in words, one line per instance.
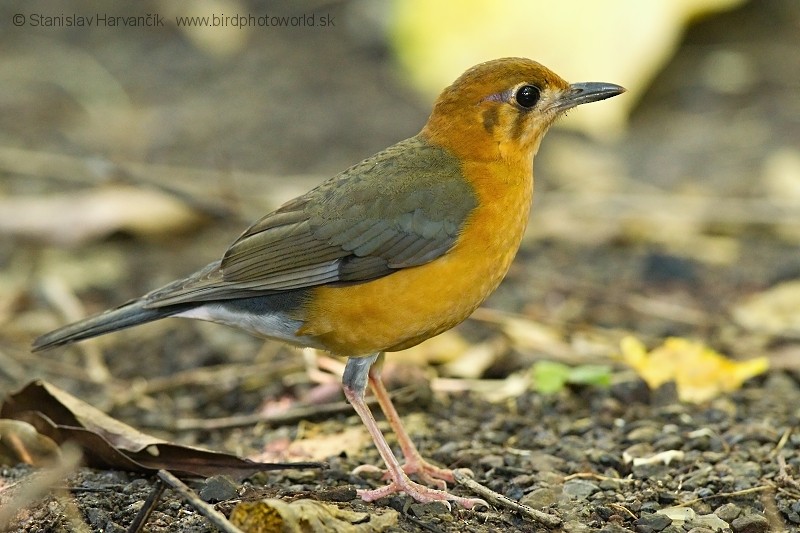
column 386, row 254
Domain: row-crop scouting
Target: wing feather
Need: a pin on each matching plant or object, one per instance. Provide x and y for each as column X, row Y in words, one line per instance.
column 401, row 208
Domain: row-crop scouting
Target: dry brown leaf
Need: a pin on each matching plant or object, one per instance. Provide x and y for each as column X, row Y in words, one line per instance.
column 36, row 485
column 444, row 348
column 474, row 361
column 320, row 447
column 19, row 441
column 494, row 390
column 529, row 335
column 309, row 516
column 92, row 214
column 679, row 515
column 775, row 311
column 109, row 443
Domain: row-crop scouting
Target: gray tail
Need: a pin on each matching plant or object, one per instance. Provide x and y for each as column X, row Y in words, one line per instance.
column 129, row 314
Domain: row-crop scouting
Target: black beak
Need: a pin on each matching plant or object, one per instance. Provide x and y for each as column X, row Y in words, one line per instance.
column 583, row 93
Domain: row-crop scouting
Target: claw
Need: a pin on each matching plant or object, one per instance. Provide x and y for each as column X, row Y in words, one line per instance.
column 419, row 493
column 427, row 473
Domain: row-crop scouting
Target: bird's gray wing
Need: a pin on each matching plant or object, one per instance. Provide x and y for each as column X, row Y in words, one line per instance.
column 401, row 208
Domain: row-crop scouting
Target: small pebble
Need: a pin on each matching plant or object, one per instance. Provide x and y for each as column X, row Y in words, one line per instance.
column 643, row 434
column 654, row 521
column 630, row 392
column 648, row 506
column 610, row 484
column 137, row 485
column 579, row 489
column 670, row 442
column 752, row 523
column 337, row 494
column 575, row 526
column 706, row 492
column 667, row 497
column 430, row 509
column 544, row 462
column 492, row 461
column 219, row 489
column 98, row 518
column 728, row 512
column 541, row 497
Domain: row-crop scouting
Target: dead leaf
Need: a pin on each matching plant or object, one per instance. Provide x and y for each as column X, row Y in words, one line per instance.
column 93, row 213
column 665, row 457
column 494, row 390
column 309, row 516
column 442, row 349
column 529, row 336
column 320, row 447
column 699, row 372
column 19, row 441
column 775, row 311
column 35, row 486
column 109, row 443
column 474, row 362
column 317, row 447
column 679, row 515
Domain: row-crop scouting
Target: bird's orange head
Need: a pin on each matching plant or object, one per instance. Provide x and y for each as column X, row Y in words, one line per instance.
column 501, row 109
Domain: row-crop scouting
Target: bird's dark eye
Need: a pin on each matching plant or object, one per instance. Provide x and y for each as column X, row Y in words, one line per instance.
column 527, row 96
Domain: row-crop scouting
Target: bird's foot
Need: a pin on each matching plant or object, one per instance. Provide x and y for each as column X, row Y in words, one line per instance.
column 430, row 474
column 419, row 493
column 426, row 472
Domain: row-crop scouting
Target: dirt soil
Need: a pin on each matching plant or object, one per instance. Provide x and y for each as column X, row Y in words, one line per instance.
column 304, row 104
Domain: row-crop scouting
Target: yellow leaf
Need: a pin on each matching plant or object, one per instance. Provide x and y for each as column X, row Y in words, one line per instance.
column 308, row 516
column 699, row 372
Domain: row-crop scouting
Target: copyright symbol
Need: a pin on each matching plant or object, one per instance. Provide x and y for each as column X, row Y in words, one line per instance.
column 18, row 19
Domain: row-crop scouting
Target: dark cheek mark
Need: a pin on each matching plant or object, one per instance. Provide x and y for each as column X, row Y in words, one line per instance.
column 490, row 119
column 519, row 126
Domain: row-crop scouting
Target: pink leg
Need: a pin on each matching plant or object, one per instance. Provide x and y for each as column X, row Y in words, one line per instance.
column 415, row 464
column 355, row 380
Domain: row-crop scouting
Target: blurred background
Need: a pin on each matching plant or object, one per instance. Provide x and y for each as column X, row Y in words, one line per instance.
column 134, row 148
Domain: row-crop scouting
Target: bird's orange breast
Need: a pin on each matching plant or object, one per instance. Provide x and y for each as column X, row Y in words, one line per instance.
column 413, row 304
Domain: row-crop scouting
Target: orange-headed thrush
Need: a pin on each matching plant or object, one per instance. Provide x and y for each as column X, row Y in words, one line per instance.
column 388, row 253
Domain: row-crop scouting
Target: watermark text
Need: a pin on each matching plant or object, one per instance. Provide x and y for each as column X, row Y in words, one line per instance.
column 306, row 20
column 153, row 20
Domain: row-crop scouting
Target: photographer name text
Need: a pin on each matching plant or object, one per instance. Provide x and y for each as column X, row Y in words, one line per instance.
column 150, row 20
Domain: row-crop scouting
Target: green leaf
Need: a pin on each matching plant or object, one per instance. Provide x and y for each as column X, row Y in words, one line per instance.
column 597, row 375
column 550, row 377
